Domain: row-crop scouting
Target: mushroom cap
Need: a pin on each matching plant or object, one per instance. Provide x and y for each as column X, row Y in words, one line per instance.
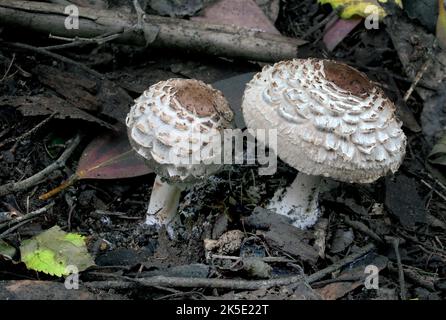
column 331, row 120
column 173, row 126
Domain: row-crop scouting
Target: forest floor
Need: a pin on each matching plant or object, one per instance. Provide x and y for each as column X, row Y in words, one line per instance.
column 396, row 224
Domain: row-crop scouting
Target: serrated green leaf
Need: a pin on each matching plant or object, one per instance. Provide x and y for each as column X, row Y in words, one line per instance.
column 54, row 250
column 45, row 261
column 76, row 239
column 363, row 8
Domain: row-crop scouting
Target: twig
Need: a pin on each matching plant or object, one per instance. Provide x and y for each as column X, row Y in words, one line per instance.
column 341, row 263
column 232, row 284
column 433, row 189
column 27, row 216
column 113, row 284
column 120, row 215
column 319, row 25
column 264, row 259
column 56, row 56
column 28, row 133
column 42, row 175
column 79, row 42
column 417, row 79
column 9, row 68
column 5, row 233
column 414, row 276
column 23, row 220
column 395, row 243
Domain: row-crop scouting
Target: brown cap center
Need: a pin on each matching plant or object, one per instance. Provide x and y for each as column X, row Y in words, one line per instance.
column 347, row 78
column 195, row 97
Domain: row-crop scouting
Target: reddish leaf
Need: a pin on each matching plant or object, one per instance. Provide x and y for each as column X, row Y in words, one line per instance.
column 110, row 157
column 239, row 13
column 338, row 30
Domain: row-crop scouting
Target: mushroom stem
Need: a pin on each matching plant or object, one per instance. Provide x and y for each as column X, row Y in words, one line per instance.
column 299, row 201
column 163, row 205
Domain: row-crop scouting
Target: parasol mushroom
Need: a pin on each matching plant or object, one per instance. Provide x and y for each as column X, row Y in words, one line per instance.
column 175, row 126
column 332, row 122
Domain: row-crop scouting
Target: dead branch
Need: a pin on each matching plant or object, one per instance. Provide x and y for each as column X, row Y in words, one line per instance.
column 28, row 216
column 231, row 284
column 157, row 32
column 17, row 223
column 42, row 175
column 28, row 133
column 56, row 56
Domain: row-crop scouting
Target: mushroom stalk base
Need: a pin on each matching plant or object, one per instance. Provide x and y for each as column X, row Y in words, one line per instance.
column 299, row 201
column 163, row 205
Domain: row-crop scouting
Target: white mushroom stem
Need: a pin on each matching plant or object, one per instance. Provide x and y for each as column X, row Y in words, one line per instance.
column 163, row 205
column 299, row 201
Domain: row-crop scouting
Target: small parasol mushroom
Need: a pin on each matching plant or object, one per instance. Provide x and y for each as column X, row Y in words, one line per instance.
column 174, row 126
column 332, row 121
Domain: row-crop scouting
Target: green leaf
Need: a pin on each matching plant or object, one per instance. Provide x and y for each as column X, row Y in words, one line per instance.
column 6, row 250
column 52, row 251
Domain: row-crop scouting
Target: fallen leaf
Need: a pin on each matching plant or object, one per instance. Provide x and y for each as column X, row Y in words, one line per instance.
column 76, row 89
column 415, row 46
column 6, row 250
column 423, row 11
column 437, row 160
column 238, row 13
column 363, row 8
column 54, row 250
column 338, row 31
column 433, row 116
column 46, row 105
column 281, row 235
column 108, row 156
column 404, row 201
column 441, row 23
column 111, row 157
column 86, row 92
column 344, row 283
column 176, row 8
column 438, row 153
column 341, row 240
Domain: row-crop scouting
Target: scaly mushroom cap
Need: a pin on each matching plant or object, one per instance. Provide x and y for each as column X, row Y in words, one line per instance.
column 331, row 120
column 172, row 125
